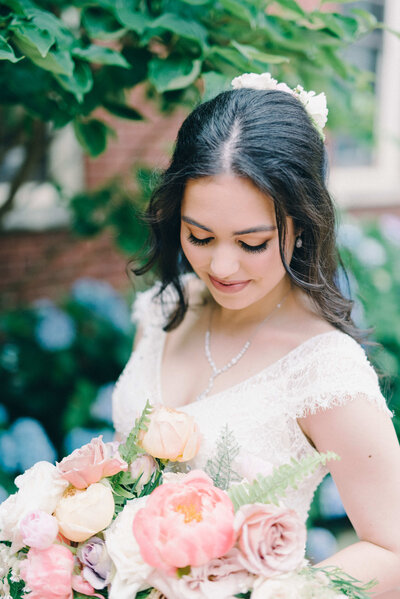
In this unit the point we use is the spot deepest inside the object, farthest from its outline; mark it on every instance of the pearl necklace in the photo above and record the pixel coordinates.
(217, 371)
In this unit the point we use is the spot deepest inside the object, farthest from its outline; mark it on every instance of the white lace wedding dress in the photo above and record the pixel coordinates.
(327, 370)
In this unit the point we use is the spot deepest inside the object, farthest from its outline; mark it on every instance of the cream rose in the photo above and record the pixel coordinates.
(131, 571)
(171, 435)
(81, 514)
(40, 488)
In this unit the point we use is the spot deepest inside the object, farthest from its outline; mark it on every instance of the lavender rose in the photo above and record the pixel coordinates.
(96, 561)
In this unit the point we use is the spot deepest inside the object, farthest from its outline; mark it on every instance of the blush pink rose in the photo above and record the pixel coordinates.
(48, 573)
(271, 539)
(38, 529)
(91, 462)
(185, 524)
(171, 435)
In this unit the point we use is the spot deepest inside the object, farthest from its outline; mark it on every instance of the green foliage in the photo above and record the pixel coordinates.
(66, 378)
(88, 53)
(16, 587)
(346, 584)
(271, 489)
(220, 467)
(130, 449)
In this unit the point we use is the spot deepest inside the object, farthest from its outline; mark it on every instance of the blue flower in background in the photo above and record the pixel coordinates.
(390, 227)
(3, 415)
(55, 330)
(349, 235)
(371, 252)
(330, 503)
(78, 436)
(103, 300)
(101, 408)
(8, 453)
(321, 543)
(32, 442)
(9, 357)
(3, 494)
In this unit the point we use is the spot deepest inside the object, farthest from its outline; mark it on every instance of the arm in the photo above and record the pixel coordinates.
(368, 479)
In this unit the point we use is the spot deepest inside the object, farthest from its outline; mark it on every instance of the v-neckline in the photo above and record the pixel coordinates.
(247, 380)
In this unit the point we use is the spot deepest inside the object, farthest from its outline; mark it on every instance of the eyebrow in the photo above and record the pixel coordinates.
(260, 228)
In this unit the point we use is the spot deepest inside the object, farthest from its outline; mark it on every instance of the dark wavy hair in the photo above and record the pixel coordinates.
(268, 138)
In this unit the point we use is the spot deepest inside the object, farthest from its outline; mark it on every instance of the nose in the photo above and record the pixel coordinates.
(224, 263)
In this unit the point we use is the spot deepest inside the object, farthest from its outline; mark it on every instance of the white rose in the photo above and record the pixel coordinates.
(40, 488)
(293, 586)
(315, 106)
(131, 571)
(254, 81)
(83, 513)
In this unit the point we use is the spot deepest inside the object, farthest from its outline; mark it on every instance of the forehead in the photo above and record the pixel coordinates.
(228, 200)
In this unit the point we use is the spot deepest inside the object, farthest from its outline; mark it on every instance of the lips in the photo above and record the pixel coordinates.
(228, 286)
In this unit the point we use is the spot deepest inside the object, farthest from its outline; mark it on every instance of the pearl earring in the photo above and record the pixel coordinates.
(299, 242)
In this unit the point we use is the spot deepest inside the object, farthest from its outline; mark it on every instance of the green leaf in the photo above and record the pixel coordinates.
(79, 83)
(271, 489)
(215, 83)
(55, 61)
(185, 28)
(196, 2)
(100, 24)
(46, 21)
(183, 571)
(7, 52)
(232, 56)
(29, 37)
(239, 10)
(252, 53)
(122, 110)
(292, 6)
(92, 135)
(131, 18)
(169, 74)
(101, 55)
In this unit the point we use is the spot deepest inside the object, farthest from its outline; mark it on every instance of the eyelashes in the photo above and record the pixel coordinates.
(252, 249)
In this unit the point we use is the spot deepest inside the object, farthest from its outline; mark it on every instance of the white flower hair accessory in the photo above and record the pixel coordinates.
(314, 104)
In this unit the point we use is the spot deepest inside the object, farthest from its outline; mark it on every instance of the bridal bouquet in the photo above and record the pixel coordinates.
(115, 521)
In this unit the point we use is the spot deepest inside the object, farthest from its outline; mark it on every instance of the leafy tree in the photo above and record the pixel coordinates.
(59, 60)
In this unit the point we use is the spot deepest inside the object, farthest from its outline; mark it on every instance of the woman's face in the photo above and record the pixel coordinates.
(230, 238)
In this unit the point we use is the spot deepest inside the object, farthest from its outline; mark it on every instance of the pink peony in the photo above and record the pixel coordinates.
(221, 578)
(38, 529)
(171, 435)
(271, 539)
(185, 524)
(91, 462)
(48, 573)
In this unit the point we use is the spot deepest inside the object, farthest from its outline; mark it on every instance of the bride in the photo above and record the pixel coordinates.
(247, 329)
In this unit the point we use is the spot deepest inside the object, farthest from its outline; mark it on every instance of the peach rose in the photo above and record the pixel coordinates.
(271, 539)
(185, 524)
(82, 514)
(48, 573)
(171, 435)
(91, 462)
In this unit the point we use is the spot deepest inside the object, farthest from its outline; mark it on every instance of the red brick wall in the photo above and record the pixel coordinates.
(35, 265)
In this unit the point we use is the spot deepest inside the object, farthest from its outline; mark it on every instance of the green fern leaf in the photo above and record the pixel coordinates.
(220, 468)
(270, 489)
(130, 449)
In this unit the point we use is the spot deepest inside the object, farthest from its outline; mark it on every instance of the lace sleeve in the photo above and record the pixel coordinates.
(335, 371)
(147, 309)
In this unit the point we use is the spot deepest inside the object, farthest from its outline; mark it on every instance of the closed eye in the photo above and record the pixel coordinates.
(197, 241)
(254, 248)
